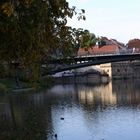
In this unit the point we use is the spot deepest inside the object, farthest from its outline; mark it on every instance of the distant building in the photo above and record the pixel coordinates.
(134, 44)
(119, 70)
(103, 47)
(116, 70)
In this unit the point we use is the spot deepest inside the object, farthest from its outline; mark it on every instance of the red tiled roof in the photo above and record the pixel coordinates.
(134, 43)
(96, 50)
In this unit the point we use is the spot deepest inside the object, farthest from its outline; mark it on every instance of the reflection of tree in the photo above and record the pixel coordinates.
(12, 112)
(34, 125)
(36, 119)
(28, 118)
(8, 121)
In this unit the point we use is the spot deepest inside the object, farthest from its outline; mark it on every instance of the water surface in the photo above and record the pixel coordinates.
(73, 112)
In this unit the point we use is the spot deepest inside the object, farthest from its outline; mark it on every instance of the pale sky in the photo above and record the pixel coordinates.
(117, 19)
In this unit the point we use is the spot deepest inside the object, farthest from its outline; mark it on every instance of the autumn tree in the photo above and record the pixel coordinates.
(34, 30)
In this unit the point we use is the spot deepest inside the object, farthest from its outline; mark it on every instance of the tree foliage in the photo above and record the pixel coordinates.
(87, 39)
(34, 30)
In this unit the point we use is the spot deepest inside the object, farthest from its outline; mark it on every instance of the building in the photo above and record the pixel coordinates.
(115, 70)
(134, 44)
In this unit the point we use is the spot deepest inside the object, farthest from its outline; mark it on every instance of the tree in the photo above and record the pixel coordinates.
(87, 39)
(33, 30)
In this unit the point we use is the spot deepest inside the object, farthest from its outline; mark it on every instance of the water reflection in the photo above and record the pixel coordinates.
(101, 95)
(127, 92)
(109, 111)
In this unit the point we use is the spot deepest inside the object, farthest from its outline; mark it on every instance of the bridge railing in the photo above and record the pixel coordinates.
(118, 52)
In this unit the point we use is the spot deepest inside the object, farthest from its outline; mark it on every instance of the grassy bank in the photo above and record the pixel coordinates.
(9, 85)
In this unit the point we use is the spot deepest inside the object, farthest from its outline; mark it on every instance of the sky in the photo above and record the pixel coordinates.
(116, 19)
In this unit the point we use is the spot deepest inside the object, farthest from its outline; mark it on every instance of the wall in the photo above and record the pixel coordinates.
(122, 70)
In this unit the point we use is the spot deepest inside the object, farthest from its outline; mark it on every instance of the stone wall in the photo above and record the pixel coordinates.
(122, 70)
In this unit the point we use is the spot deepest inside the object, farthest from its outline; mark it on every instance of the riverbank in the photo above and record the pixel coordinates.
(10, 85)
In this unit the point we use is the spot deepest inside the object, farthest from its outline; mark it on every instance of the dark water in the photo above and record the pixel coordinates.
(73, 112)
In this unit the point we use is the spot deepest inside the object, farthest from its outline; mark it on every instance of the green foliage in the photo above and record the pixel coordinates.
(3, 88)
(2, 71)
(87, 40)
(9, 84)
(35, 30)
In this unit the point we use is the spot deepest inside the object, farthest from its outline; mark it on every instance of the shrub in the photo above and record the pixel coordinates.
(2, 71)
(3, 88)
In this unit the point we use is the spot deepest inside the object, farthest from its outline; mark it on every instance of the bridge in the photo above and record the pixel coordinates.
(85, 61)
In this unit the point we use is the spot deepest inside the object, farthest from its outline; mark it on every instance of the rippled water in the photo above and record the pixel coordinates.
(73, 112)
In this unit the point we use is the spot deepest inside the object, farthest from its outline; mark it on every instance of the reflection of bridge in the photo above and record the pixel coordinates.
(84, 61)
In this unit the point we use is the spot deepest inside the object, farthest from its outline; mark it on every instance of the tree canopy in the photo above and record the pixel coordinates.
(87, 40)
(34, 30)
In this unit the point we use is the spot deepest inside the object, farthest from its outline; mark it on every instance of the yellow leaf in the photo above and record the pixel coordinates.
(7, 9)
(27, 2)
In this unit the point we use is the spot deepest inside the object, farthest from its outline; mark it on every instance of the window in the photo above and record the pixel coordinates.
(118, 70)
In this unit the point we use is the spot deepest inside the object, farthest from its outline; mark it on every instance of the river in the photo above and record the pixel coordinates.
(108, 111)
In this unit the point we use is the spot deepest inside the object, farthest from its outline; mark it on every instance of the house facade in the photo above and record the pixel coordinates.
(115, 70)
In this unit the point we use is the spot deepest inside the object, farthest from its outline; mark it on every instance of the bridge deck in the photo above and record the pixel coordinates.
(79, 62)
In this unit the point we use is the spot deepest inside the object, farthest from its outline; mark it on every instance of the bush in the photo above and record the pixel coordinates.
(2, 71)
(3, 88)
